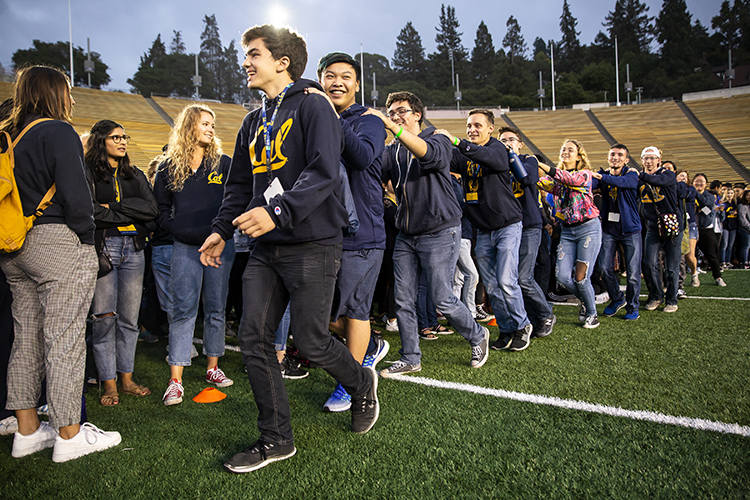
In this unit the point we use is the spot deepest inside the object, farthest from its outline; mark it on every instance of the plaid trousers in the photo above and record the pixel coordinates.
(52, 280)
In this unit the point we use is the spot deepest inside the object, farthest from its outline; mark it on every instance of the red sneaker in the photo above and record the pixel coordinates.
(216, 376)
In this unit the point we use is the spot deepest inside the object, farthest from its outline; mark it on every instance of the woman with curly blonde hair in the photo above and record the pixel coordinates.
(189, 187)
(581, 237)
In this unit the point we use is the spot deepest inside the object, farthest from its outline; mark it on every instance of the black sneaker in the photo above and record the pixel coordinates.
(366, 409)
(521, 338)
(591, 322)
(503, 342)
(480, 352)
(259, 454)
(545, 328)
(292, 369)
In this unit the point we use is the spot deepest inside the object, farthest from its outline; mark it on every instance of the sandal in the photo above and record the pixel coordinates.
(136, 390)
(441, 330)
(110, 400)
(426, 334)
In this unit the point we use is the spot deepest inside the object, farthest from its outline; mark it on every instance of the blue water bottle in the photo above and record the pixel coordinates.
(516, 167)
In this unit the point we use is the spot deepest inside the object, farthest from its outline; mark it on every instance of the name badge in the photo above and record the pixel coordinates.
(472, 198)
(706, 210)
(273, 190)
(614, 217)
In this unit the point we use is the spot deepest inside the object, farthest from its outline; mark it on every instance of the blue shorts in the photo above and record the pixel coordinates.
(693, 231)
(355, 285)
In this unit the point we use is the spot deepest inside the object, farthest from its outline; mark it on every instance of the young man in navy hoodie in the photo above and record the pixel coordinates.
(283, 189)
(494, 210)
(364, 141)
(621, 224)
(429, 223)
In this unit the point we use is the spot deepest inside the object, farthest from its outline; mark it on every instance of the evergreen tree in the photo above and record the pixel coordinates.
(156, 53)
(540, 46)
(177, 46)
(376, 64)
(211, 55)
(449, 46)
(408, 59)
(632, 26)
(162, 73)
(57, 55)
(674, 29)
(570, 46)
(514, 41)
(235, 86)
(483, 55)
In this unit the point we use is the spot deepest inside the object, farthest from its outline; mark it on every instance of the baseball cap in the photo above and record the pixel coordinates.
(651, 150)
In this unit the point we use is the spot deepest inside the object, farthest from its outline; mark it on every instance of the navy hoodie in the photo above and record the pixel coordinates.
(306, 149)
(619, 195)
(364, 141)
(485, 174)
(528, 194)
(666, 194)
(195, 205)
(423, 187)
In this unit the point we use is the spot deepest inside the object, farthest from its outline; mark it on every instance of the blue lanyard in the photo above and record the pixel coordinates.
(268, 129)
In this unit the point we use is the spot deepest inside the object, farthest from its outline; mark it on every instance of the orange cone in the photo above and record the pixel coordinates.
(492, 322)
(209, 395)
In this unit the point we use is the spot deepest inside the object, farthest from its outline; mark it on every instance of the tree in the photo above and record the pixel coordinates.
(674, 32)
(632, 26)
(376, 64)
(483, 55)
(408, 59)
(177, 46)
(540, 46)
(570, 47)
(162, 73)
(235, 87)
(211, 55)
(57, 55)
(513, 40)
(449, 47)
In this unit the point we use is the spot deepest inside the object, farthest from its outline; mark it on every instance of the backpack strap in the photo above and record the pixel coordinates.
(28, 127)
(47, 200)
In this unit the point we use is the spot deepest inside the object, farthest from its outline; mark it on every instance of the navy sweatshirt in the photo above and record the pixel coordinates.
(485, 174)
(51, 152)
(307, 144)
(619, 195)
(364, 141)
(665, 194)
(528, 194)
(424, 190)
(690, 193)
(195, 206)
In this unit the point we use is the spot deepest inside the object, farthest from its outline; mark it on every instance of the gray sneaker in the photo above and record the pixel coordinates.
(695, 281)
(481, 351)
(651, 305)
(545, 328)
(521, 338)
(720, 282)
(400, 368)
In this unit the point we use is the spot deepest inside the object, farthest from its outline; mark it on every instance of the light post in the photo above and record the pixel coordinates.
(197, 80)
(617, 73)
(552, 59)
(628, 83)
(88, 64)
(450, 54)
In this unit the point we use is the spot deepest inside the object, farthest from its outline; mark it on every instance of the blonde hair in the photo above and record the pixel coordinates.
(583, 161)
(182, 145)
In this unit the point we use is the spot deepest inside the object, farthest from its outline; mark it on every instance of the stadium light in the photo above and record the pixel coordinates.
(552, 60)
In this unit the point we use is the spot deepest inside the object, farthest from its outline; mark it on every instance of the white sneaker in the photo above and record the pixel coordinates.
(391, 325)
(8, 426)
(720, 282)
(43, 437)
(88, 440)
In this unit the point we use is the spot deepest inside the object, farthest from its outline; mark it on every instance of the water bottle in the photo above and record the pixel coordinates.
(516, 167)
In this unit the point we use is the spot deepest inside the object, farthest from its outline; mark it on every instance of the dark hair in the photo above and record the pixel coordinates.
(740, 185)
(715, 184)
(339, 57)
(281, 42)
(512, 130)
(686, 173)
(619, 145)
(96, 156)
(42, 91)
(413, 100)
(745, 197)
(486, 112)
(700, 175)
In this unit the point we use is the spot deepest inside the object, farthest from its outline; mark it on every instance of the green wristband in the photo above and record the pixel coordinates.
(456, 140)
(400, 131)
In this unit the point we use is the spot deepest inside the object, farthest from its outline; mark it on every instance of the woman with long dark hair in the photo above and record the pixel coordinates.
(123, 204)
(708, 238)
(190, 187)
(52, 276)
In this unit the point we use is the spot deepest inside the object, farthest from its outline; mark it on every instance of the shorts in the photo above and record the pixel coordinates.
(355, 285)
(693, 231)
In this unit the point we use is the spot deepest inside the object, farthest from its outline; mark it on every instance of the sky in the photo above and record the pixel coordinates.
(122, 31)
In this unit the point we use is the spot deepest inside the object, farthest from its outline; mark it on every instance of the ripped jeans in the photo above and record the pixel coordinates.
(579, 244)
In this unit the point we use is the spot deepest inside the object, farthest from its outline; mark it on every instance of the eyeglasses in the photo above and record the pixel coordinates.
(650, 158)
(510, 139)
(117, 138)
(400, 112)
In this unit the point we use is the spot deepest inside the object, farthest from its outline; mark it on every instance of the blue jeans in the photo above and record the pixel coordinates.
(497, 256)
(672, 252)
(466, 277)
(436, 254)
(744, 246)
(282, 332)
(114, 337)
(537, 307)
(426, 310)
(302, 276)
(579, 244)
(190, 281)
(727, 244)
(633, 251)
(161, 263)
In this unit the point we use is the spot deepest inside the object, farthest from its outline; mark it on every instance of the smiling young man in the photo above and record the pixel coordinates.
(284, 190)
(493, 209)
(362, 254)
(429, 223)
(621, 224)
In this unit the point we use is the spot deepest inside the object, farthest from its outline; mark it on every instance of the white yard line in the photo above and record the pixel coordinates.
(648, 416)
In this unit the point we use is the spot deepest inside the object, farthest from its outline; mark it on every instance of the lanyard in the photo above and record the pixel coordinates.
(268, 129)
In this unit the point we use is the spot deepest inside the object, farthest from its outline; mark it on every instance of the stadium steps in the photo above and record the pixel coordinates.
(529, 143)
(161, 112)
(609, 137)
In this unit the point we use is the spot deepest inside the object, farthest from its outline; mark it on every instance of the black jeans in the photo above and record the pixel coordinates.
(304, 276)
(708, 242)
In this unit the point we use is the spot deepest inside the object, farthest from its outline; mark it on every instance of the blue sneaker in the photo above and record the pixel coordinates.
(339, 401)
(632, 316)
(371, 360)
(613, 307)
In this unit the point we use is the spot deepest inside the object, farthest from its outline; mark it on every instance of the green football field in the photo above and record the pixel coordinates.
(656, 408)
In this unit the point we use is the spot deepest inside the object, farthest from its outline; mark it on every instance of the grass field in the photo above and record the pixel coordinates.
(441, 442)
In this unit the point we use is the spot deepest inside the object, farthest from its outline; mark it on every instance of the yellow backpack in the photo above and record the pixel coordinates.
(13, 224)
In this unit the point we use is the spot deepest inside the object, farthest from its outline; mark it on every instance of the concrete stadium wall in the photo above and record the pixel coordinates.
(711, 94)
